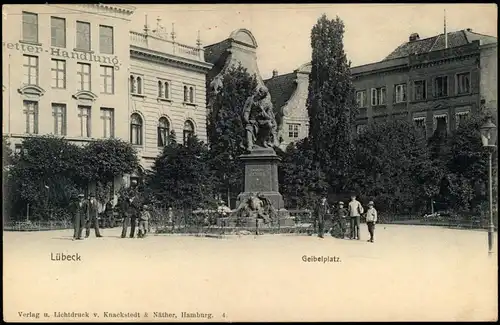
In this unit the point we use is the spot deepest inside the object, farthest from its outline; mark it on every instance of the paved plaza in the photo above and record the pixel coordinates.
(409, 273)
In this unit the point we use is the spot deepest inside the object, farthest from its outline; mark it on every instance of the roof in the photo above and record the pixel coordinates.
(281, 88)
(214, 52)
(436, 43)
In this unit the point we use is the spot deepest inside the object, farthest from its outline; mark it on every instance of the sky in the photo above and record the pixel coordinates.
(283, 31)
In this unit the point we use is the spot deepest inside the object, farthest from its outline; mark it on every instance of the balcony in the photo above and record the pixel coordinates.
(155, 43)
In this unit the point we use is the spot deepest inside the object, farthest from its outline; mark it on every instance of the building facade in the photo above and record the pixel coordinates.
(167, 92)
(65, 71)
(437, 80)
(289, 96)
(434, 81)
(69, 74)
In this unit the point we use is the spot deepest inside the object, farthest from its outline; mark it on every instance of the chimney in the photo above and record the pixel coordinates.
(275, 73)
(414, 37)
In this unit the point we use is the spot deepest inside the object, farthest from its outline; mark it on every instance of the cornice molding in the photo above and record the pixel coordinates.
(31, 90)
(153, 56)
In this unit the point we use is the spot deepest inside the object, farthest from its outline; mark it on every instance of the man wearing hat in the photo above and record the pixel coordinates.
(78, 209)
(371, 219)
(322, 211)
(92, 212)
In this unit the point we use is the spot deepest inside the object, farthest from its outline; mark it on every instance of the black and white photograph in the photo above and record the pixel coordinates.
(249, 162)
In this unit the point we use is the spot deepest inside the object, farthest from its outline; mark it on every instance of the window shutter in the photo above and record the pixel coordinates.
(374, 97)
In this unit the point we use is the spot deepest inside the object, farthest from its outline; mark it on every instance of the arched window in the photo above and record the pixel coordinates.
(167, 90)
(136, 129)
(139, 85)
(163, 132)
(185, 94)
(191, 94)
(160, 89)
(188, 131)
(132, 84)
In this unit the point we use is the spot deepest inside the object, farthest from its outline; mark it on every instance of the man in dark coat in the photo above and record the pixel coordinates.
(79, 210)
(131, 206)
(322, 211)
(92, 213)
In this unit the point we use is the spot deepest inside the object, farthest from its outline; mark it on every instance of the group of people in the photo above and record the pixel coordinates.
(131, 209)
(340, 217)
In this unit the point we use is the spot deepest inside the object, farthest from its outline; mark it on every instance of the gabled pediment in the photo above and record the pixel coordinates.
(84, 95)
(31, 90)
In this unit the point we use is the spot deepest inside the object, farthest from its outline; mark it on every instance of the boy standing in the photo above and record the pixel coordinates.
(144, 217)
(341, 215)
(371, 219)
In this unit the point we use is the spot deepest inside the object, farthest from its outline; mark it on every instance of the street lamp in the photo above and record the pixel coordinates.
(489, 139)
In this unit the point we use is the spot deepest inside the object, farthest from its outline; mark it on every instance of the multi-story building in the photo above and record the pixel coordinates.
(68, 73)
(65, 71)
(429, 81)
(167, 91)
(289, 96)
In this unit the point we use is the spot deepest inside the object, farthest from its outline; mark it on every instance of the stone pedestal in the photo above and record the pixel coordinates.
(261, 176)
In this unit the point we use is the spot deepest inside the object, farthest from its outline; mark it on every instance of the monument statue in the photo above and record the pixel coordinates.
(255, 207)
(258, 118)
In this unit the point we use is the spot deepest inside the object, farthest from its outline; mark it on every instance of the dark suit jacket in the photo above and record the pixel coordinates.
(322, 211)
(92, 209)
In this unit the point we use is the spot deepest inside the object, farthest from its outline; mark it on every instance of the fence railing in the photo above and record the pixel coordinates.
(209, 221)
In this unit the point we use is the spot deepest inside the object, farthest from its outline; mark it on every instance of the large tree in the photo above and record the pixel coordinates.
(226, 132)
(389, 167)
(331, 103)
(49, 170)
(180, 177)
(301, 179)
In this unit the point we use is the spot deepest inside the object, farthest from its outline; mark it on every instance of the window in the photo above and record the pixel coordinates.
(400, 93)
(441, 123)
(30, 27)
(58, 71)
(30, 68)
(59, 114)
(361, 98)
(108, 122)
(82, 36)
(361, 128)
(441, 87)
(136, 129)
(105, 39)
(420, 124)
(461, 117)
(378, 96)
(57, 32)
(107, 79)
(136, 85)
(188, 131)
(31, 114)
(419, 88)
(84, 115)
(186, 94)
(293, 130)
(191, 94)
(163, 132)
(83, 76)
(463, 83)
(163, 89)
